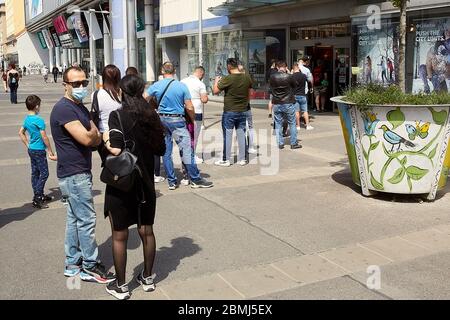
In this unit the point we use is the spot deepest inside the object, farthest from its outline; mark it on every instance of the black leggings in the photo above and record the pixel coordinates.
(157, 166)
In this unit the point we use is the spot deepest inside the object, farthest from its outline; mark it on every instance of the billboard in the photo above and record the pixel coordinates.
(63, 32)
(42, 40)
(54, 36)
(79, 28)
(432, 56)
(35, 7)
(377, 53)
(48, 38)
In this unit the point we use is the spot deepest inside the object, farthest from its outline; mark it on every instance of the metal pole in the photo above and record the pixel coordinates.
(93, 67)
(200, 32)
(132, 33)
(150, 40)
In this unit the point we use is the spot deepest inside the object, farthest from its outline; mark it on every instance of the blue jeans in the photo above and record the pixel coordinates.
(251, 129)
(231, 121)
(81, 220)
(282, 111)
(13, 92)
(39, 171)
(198, 127)
(302, 103)
(176, 129)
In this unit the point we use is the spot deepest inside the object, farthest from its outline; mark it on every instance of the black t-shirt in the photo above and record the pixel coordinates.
(300, 83)
(73, 158)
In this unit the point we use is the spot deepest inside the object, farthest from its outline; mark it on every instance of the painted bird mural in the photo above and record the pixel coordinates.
(394, 139)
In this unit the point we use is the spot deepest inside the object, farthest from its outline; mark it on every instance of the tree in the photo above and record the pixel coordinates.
(402, 5)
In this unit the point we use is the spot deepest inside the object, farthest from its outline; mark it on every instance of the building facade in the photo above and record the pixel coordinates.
(339, 35)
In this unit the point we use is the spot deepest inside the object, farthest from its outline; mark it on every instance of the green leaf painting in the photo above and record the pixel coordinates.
(375, 183)
(416, 173)
(398, 176)
(439, 117)
(396, 118)
(433, 153)
(403, 161)
(410, 184)
(374, 146)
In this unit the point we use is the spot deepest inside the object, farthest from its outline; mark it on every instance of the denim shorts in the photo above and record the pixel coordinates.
(302, 104)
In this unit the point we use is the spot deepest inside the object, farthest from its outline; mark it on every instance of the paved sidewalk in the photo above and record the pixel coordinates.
(304, 233)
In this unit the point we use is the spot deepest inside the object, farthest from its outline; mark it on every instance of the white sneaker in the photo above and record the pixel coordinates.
(159, 179)
(252, 151)
(198, 159)
(298, 128)
(309, 128)
(243, 163)
(184, 182)
(222, 163)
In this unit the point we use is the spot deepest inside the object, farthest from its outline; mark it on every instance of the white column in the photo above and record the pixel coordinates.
(58, 56)
(65, 57)
(51, 57)
(74, 55)
(150, 40)
(132, 33)
(79, 58)
(107, 44)
(200, 32)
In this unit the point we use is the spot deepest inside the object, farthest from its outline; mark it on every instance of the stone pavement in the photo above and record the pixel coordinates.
(304, 233)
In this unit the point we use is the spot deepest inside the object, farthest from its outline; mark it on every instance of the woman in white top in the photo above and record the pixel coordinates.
(108, 98)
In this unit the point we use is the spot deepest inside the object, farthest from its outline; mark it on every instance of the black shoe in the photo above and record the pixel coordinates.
(270, 116)
(46, 198)
(148, 284)
(201, 184)
(281, 147)
(97, 274)
(296, 146)
(38, 204)
(118, 292)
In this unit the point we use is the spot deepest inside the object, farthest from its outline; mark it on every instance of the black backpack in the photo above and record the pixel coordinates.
(13, 77)
(95, 110)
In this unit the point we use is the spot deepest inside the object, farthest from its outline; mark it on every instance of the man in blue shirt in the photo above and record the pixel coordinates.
(174, 101)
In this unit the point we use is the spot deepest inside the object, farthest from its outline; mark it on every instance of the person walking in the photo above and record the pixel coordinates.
(74, 135)
(237, 88)
(45, 72)
(175, 105)
(199, 97)
(24, 71)
(55, 72)
(5, 79)
(139, 125)
(283, 86)
(37, 143)
(13, 83)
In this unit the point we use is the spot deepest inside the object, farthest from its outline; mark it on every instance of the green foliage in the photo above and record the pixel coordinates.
(375, 94)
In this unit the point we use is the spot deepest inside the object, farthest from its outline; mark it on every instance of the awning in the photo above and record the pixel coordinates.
(231, 7)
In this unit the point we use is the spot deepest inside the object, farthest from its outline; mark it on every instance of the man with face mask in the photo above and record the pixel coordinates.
(74, 135)
(199, 97)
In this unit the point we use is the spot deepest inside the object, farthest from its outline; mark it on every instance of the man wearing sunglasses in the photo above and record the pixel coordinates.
(75, 134)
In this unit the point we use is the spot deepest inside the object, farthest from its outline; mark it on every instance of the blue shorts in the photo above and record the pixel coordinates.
(302, 103)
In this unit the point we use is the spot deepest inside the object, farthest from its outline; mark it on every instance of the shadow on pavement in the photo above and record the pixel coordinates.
(167, 258)
(21, 213)
(344, 177)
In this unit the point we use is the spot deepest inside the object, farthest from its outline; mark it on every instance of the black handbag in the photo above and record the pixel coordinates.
(122, 171)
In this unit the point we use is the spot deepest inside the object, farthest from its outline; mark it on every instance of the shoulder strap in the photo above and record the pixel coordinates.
(94, 105)
(121, 127)
(165, 91)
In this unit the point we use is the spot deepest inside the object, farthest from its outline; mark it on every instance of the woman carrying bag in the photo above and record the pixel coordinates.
(134, 128)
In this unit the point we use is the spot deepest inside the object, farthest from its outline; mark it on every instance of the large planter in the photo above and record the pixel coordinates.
(397, 149)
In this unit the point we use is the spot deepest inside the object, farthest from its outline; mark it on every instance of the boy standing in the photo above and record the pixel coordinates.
(37, 144)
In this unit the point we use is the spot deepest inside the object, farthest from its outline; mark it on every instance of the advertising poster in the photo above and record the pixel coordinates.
(63, 32)
(42, 40)
(54, 36)
(48, 38)
(377, 57)
(35, 8)
(79, 28)
(432, 56)
(257, 62)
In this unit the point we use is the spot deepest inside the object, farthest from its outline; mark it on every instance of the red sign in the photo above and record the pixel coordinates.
(60, 25)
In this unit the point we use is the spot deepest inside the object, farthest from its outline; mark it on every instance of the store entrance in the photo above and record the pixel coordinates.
(322, 67)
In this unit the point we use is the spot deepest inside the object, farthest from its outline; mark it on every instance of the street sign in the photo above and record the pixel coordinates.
(42, 40)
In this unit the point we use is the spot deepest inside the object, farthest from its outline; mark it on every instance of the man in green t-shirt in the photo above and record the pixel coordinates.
(237, 88)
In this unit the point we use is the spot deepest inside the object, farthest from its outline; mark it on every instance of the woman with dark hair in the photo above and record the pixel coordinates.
(13, 82)
(144, 136)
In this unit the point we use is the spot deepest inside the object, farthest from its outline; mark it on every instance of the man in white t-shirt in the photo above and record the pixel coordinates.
(199, 97)
(303, 64)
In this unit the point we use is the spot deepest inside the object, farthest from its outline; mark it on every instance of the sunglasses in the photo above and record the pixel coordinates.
(77, 84)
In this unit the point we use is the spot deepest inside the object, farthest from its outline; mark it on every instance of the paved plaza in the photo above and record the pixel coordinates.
(305, 232)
